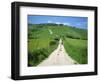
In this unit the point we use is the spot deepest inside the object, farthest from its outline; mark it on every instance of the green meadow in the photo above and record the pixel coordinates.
(43, 40)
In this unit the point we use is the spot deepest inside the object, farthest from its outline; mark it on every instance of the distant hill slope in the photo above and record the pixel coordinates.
(71, 32)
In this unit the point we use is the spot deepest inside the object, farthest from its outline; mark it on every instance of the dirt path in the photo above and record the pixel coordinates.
(50, 31)
(58, 57)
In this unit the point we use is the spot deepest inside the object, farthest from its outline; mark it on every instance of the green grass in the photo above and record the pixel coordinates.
(38, 55)
(39, 47)
(77, 49)
(41, 43)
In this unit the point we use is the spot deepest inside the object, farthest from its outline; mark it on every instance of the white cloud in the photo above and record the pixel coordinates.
(66, 23)
(49, 21)
(60, 23)
(57, 22)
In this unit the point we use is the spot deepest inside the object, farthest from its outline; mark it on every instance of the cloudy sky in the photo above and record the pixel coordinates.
(79, 22)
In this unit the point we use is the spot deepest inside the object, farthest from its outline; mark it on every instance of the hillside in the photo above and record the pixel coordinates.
(43, 40)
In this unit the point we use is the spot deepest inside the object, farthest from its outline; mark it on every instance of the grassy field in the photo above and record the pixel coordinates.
(40, 44)
(43, 40)
(77, 49)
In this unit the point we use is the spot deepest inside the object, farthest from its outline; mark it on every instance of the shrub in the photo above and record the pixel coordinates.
(53, 42)
(73, 36)
(56, 38)
(37, 56)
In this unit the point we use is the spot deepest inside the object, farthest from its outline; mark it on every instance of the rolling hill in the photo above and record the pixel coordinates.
(43, 40)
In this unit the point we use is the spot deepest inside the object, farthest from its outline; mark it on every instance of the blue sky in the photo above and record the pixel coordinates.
(80, 22)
